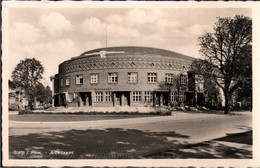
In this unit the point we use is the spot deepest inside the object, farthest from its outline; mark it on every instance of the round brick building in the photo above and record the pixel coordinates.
(126, 76)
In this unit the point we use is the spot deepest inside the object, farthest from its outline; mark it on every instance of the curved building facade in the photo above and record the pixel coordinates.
(125, 76)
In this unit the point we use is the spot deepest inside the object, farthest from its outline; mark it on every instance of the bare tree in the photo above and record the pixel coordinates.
(228, 54)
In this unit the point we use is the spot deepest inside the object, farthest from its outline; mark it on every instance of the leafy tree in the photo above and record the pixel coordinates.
(228, 54)
(48, 94)
(211, 90)
(27, 75)
(11, 84)
(43, 94)
(212, 93)
(173, 86)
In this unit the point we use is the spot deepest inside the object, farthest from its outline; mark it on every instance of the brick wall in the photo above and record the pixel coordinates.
(122, 84)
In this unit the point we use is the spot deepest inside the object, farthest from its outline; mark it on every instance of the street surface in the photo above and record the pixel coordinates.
(199, 127)
(135, 137)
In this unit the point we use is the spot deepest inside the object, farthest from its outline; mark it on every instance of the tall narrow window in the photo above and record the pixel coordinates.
(132, 77)
(79, 79)
(148, 96)
(112, 77)
(174, 96)
(94, 78)
(183, 79)
(108, 96)
(152, 77)
(61, 81)
(67, 81)
(136, 96)
(99, 96)
(169, 78)
(181, 96)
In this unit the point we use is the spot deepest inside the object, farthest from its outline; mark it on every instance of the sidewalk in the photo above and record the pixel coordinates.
(176, 116)
(13, 112)
(97, 109)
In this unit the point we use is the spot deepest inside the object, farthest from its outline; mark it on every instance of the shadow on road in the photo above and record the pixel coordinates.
(242, 138)
(117, 143)
(112, 143)
(232, 146)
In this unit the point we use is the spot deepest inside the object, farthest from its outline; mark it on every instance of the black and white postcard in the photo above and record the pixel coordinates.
(130, 83)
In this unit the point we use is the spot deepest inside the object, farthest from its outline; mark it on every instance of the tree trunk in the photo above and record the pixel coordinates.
(30, 105)
(227, 103)
(34, 102)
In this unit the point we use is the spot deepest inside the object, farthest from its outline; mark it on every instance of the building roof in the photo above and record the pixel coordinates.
(126, 57)
(134, 50)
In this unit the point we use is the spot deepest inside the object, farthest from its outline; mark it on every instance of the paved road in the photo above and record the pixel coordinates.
(197, 127)
(128, 138)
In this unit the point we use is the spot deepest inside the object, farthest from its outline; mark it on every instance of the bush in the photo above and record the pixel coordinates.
(79, 113)
(180, 108)
(187, 108)
(202, 108)
(157, 112)
(25, 112)
(124, 113)
(163, 111)
(168, 113)
(152, 113)
(193, 109)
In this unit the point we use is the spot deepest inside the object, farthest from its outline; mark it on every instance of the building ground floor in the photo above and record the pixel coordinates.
(128, 98)
(17, 100)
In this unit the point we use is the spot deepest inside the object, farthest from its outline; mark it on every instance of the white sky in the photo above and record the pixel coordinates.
(53, 35)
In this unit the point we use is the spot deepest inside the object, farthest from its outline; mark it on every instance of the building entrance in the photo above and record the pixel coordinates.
(161, 98)
(189, 98)
(63, 99)
(200, 99)
(85, 99)
(121, 98)
(56, 100)
(118, 99)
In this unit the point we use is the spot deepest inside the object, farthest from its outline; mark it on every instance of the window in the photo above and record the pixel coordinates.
(61, 81)
(136, 96)
(112, 77)
(148, 96)
(174, 96)
(94, 78)
(99, 96)
(67, 81)
(132, 77)
(183, 79)
(108, 96)
(152, 77)
(169, 78)
(181, 97)
(79, 79)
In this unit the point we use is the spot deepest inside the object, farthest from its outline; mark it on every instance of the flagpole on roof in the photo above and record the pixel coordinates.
(106, 36)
